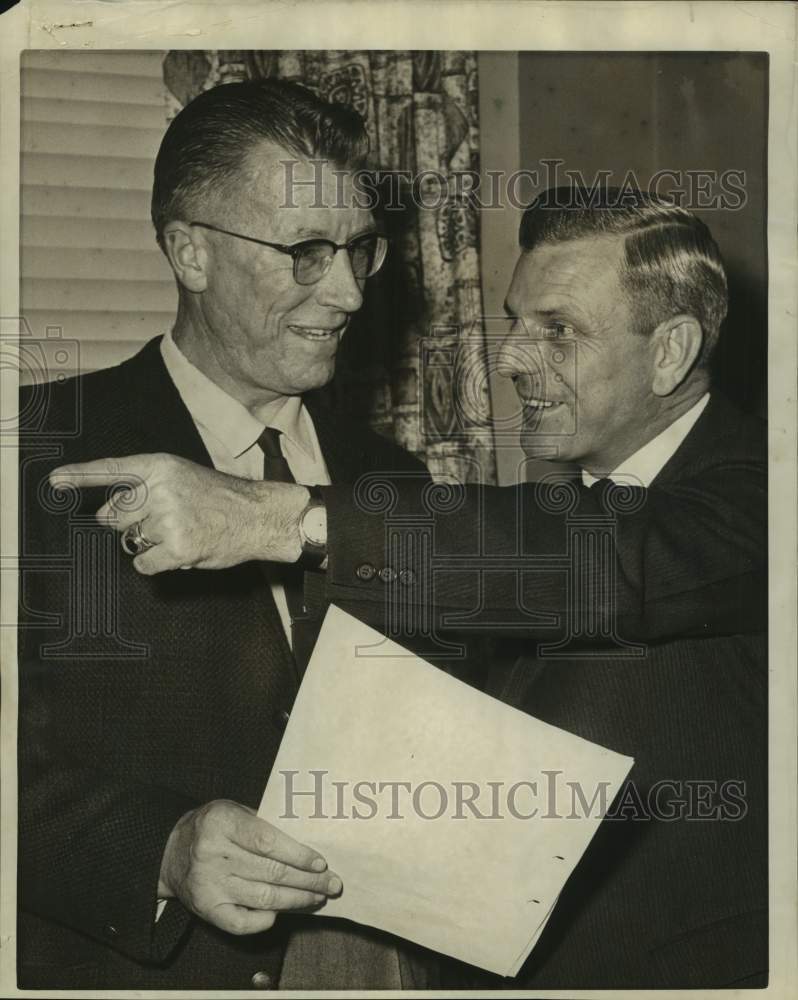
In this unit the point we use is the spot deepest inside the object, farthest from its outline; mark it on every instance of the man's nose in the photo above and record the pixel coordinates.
(505, 359)
(339, 288)
(519, 354)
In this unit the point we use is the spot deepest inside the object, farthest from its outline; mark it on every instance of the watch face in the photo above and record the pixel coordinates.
(314, 525)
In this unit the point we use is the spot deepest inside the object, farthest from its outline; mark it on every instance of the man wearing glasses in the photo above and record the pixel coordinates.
(143, 752)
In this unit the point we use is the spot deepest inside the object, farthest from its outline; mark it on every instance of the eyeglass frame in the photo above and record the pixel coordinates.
(294, 250)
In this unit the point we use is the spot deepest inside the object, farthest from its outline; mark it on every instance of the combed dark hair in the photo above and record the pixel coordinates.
(206, 143)
(672, 264)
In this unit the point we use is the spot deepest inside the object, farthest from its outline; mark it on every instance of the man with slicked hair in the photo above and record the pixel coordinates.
(151, 708)
(652, 640)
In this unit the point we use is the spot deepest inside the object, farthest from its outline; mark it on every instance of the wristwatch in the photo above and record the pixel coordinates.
(313, 531)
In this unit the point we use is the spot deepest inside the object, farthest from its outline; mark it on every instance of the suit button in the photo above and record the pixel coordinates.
(281, 718)
(111, 931)
(262, 981)
(388, 574)
(407, 577)
(366, 571)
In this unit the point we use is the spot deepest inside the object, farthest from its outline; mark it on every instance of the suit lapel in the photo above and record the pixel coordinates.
(701, 443)
(162, 415)
(340, 444)
(165, 425)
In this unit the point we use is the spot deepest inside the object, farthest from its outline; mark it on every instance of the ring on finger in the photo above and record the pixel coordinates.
(134, 541)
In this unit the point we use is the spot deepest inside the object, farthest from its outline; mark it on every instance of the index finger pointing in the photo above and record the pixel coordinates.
(100, 472)
(260, 837)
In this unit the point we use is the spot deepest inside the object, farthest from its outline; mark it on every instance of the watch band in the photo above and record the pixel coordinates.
(313, 554)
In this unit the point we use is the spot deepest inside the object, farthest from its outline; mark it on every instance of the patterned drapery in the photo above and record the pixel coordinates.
(414, 363)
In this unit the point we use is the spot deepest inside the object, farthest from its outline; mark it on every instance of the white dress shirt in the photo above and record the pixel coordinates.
(230, 433)
(641, 468)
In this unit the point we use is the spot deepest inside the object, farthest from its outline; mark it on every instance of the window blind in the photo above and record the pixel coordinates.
(91, 125)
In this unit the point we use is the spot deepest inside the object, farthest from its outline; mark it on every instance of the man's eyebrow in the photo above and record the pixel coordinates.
(306, 232)
(543, 314)
(563, 313)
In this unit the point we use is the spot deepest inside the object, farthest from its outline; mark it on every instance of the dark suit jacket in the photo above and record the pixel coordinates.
(655, 902)
(140, 698)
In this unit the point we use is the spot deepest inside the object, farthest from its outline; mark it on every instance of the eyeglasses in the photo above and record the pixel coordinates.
(313, 258)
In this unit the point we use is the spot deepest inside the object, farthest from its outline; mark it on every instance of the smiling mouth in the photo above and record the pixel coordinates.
(540, 404)
(318, 333)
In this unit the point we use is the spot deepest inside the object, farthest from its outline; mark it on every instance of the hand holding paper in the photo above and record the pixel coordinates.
(238, 872)
(449, 816)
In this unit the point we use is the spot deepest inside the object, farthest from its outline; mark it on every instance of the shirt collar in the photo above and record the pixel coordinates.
(646, 463)
(228, 420)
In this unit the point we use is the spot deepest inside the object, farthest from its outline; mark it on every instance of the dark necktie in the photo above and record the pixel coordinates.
(275, 466)
(304, 621)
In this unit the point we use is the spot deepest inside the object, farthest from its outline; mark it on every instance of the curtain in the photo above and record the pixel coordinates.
(413, 363)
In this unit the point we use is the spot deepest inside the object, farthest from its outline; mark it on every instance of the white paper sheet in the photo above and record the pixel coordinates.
(479, 888)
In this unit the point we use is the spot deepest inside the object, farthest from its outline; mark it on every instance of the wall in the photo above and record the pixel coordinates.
(499, 109)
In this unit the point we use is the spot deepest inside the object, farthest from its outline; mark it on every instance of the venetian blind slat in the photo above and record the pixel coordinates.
(80, 85)
(119, 63)
(87, 327)
(99, 295)
(54, 202)
(76, 233)
(135, 116)
(114, 265)
(73, 171)
(90, 140)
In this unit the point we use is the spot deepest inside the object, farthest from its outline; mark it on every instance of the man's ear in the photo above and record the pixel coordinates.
(677, 344)
(187, 255)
